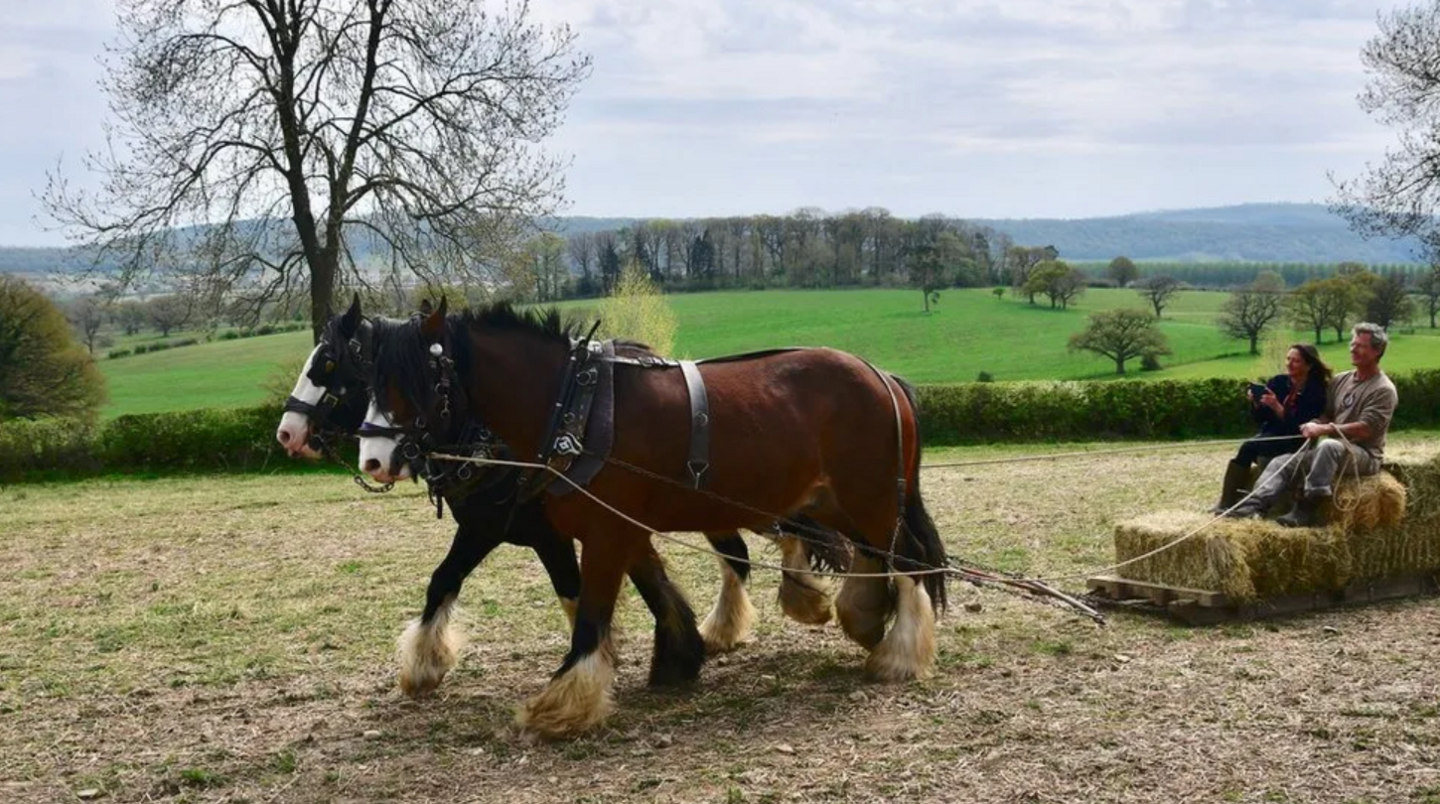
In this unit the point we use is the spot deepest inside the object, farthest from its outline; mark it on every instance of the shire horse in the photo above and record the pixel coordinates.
(810, 435)
(329, 399)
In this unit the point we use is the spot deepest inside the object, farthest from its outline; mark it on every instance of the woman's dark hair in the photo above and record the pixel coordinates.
(1311, 356)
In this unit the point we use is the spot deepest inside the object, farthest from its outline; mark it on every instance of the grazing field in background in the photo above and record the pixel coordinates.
(232, 639)
(970, 331)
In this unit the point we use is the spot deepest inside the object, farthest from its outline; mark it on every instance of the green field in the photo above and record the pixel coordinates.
(969, 332)
(218, 374)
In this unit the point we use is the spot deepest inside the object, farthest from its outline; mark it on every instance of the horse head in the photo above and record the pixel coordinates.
(417, 403)
(330, 391)
(438, 373)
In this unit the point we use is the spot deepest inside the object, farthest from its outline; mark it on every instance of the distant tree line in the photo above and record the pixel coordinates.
(1237, 274)
(807, 249)
(867, 248)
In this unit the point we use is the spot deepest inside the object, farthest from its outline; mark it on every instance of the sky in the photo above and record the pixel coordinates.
(1003, 109)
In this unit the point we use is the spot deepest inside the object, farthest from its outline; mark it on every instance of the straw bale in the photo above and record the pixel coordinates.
(1377, 528)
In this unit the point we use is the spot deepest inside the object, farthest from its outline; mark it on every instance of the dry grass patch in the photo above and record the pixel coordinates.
(232, 639)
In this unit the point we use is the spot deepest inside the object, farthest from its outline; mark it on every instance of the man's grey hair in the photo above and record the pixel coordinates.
(1378, 338)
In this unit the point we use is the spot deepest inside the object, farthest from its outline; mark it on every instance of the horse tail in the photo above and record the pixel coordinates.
(922, 543)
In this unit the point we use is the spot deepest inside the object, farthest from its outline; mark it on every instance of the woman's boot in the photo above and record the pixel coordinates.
(1237, 485)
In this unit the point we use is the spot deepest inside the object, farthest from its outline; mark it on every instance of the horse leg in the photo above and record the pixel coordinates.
(908, 651)
(679, 649)
(728, 623)
(578, 696)
(802, 598)
(429, 645)
(556, 554)
(864, 603)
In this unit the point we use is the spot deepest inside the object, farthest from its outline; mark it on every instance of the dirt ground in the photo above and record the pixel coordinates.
(232, 639)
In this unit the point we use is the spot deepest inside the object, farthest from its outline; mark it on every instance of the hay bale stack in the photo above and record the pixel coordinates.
(1379, 528)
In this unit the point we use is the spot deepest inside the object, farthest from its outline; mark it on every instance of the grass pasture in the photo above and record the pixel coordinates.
(231, 639)
(969, 332)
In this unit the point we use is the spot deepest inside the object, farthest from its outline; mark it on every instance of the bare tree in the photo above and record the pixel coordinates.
(581, 248)
(1158, 291)
(130, 316)
(276, 143)
(1323, 303)
(86, 315)
(1249, 311)
(168, 312)
(1427, 287)
(1400, 195)
(1389, 302)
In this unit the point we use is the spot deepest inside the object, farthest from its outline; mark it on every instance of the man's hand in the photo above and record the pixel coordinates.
(1314, 429)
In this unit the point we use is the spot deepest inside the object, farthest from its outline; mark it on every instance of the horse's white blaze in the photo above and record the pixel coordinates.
(728, 624)
(294, 430)
(377, 453)
(576, 701)
(908, 651)
(428, 651)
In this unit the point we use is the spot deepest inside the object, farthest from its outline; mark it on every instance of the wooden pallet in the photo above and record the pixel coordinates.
(1206, 607)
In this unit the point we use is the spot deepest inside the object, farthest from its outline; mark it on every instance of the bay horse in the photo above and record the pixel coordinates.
(816, 434)
(331, 395)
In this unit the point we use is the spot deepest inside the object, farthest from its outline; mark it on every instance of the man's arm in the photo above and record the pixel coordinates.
(1352, 431)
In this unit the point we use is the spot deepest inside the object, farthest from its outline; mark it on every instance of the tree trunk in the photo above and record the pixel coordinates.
(1254, 343)
(1120, 365)
(322, 291)
(1317, 336)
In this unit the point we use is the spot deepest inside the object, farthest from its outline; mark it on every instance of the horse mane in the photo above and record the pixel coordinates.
(503, 316)
(546, 322)
(401, 357)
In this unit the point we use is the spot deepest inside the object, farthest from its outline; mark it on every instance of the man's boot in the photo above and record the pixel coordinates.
(1237, 483)
(1306, 513)
(1253, 508)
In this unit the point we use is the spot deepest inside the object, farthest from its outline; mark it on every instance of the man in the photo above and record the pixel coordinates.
(1359, 406)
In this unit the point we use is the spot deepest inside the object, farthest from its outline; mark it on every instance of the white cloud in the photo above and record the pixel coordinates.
(999, 107)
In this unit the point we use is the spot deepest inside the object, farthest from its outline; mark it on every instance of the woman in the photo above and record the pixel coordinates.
(1288, 401)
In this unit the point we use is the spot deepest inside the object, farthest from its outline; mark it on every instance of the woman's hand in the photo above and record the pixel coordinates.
(1272, 402)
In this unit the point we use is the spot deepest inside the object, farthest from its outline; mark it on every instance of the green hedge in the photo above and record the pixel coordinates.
(243, 439)
(210, 440)
(968, 413)
(1052, 411)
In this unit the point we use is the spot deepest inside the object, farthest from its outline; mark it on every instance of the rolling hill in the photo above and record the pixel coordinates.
(1273, 233)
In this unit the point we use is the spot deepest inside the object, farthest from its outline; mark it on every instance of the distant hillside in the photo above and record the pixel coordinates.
(1274, 233)
(1303, 233)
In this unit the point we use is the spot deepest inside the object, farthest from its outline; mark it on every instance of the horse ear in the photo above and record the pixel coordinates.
(425, 308)
(433, 326)
(351, 321)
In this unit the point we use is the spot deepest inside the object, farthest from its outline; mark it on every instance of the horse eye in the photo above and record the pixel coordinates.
(329, 366)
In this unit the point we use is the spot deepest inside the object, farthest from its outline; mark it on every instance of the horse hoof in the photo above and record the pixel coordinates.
(573, 702)
(885, 669)
(419, 686)
(426, 655)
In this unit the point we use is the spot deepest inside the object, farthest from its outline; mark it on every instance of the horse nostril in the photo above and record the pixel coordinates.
(284, 436)
(372, 465)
